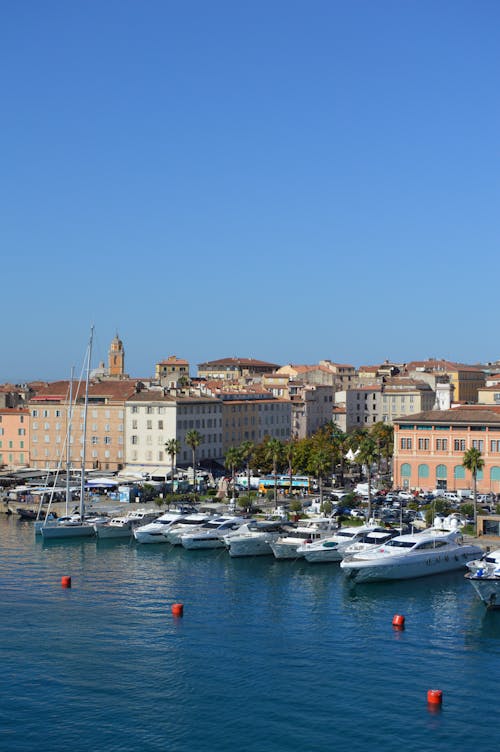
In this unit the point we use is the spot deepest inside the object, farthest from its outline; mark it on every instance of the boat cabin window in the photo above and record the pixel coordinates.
(395, 543)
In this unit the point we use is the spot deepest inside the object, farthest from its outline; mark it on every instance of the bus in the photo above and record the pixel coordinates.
(300, 484)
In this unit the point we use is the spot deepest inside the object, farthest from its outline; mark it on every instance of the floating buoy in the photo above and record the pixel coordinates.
(66, 581)
(434, 696)
(177, 609)
(398, 621)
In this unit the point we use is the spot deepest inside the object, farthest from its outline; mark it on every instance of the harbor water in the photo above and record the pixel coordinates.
(269, 655)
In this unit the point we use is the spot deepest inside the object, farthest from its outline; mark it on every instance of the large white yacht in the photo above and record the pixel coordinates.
(431, 551)
(153, 532)
(211, 534)
(286, 546)
(186, 524)
(254, 538)
(334, 547)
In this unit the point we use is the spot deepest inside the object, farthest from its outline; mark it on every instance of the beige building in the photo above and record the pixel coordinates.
(153, 417)
(50, 434)
(239, 370)
(465, 380)
(171, 371)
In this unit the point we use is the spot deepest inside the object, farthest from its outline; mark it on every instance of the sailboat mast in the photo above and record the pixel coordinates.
(68, 442)
(87, 379)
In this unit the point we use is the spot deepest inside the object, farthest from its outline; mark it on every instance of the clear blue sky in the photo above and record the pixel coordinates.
(274, 179)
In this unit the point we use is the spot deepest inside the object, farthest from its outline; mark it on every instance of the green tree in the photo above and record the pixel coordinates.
(193, 440)
(246, 453)
(173, 447)
(473, 461)
(320, 464)
(367, 456)
(274, 452)
(232, 460)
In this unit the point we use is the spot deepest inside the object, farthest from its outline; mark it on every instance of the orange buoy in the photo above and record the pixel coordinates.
(398, 621)
(434, 696)
(177, 609)
(66, 581)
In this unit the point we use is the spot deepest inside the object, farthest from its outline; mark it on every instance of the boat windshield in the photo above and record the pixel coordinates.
(395, 543)
(345, 534)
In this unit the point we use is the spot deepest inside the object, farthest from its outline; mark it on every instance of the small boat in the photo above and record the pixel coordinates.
(429, 552)
(287, 545)
(484, 576)
(26, 514)
(347, 539)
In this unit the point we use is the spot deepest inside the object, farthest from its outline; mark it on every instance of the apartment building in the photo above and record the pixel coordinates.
(239, 370)
(311, 408)
(154, 416)
(14, 438)
(465, 380)
(253, 417)
(54, 437)
(429, 448)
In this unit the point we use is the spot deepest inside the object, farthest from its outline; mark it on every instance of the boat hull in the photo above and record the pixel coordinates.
(488, 590)
(408, 567)
(53, 532)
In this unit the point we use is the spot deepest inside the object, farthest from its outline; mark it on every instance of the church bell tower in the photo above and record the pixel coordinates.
(116, 358)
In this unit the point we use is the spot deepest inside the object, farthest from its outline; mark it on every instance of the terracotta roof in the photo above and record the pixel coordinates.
(477, 414)
(242, 362)
(442, 365)
(173, 360)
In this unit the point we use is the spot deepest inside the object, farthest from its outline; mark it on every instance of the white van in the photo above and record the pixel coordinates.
(451, 496)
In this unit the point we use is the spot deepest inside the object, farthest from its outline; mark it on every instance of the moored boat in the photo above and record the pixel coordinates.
(484, 576)
(429, 552)
(287, 545)
(334, 547)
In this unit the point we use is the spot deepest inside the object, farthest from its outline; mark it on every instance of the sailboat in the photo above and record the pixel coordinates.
(76, 526)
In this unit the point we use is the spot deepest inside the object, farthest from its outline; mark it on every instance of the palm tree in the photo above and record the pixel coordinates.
(474, 462)
(290, 450)
(232, 460)
(320, 464)
(367, 455)
(173, 447)
(247, 450)
(193, 440)
(274, 452)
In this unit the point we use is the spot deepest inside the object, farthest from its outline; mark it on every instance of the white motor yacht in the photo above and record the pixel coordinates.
(122, 527)
(153, 532)
(334, 547)
(286, 546)
(186, 524)
(431, 551)
(254, 538)
(484, 576)
(211, 534)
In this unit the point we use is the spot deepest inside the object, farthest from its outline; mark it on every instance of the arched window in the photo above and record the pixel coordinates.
(441, 472)
(495, 473)
(405, 470)
(423, 471)
(459, 472)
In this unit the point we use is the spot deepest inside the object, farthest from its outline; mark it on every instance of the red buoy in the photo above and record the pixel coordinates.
(177, 609)
(66, 581)
(434, 696)
(398, 621)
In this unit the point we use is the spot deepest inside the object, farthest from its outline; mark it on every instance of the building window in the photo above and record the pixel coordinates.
(478, 444)
(423, 443)
(405, 443)
(459, 445)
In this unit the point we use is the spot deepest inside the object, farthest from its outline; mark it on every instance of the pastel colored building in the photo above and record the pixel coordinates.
(429, 449)
(14, 438)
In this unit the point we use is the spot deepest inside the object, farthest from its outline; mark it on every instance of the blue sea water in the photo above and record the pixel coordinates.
(269, 656)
